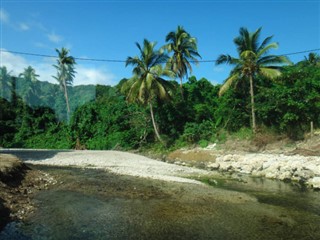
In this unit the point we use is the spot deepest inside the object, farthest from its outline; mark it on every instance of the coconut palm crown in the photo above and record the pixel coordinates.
(32, 93)
(184, 48)
(253, 60)
(147, 83)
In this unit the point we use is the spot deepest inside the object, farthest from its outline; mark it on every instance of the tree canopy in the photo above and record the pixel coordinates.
(253, 60)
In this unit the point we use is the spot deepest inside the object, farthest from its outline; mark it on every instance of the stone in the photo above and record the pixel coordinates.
(267, 164)
(315, 182)
(213, 166)
(224, 166)
(285, 175)
(303, 175)
(247, 169)
(271, 175)
(211, 146)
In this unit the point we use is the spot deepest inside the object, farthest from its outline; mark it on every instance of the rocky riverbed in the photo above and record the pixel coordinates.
(18, 184)
(277, 166)
(299, 162)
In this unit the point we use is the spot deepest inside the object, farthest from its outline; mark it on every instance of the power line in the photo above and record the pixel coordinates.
(123, 61)
(51, 56)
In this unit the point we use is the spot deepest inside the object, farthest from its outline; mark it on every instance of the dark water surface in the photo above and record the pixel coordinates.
(94, 204)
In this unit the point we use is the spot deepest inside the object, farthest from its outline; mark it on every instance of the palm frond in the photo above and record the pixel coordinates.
(269, 72)
(223, 58)
(265, 50)
(248, 55)
(273, 59)
(227, 84)
(265, 42)
(254, 40)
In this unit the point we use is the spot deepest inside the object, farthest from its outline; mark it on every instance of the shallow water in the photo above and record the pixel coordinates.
(93, 204)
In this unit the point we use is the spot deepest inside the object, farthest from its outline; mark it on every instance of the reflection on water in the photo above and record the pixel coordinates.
(93, 204)
(289, 195)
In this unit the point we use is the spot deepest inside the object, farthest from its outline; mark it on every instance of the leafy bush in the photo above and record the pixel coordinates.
(243, 134)
(194, 132)
(58, 137)
(203, 143)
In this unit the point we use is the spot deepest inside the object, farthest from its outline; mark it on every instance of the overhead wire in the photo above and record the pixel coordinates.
(123, 61)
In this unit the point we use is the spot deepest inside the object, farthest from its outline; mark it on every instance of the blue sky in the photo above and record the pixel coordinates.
(109, 30)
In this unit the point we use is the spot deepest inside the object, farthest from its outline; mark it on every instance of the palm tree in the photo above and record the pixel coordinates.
(313, 59)
(32, 92)
(65, 73)
(253, 60)
(5, 81)
(184, 48)
(147, 83)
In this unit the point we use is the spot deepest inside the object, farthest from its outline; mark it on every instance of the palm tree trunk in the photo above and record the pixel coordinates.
(181, 88)
(2, 88)
(154, 124)
(253, 114)
(67, 100)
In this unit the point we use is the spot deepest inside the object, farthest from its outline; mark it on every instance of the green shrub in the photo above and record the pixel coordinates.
(243, 134)
(203, 143)
(194, 132)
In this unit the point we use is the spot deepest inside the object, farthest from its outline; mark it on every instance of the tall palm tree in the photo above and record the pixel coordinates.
(4, 81)
(253, 60)
(65, 73)
(313, 59)
(184, 48)
(147, 83)
(32, 92)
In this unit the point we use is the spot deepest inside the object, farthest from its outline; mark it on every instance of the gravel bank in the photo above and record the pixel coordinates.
(122, 163)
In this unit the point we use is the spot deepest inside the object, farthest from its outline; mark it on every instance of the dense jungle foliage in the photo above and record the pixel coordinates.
(103, 119)
(156, 106)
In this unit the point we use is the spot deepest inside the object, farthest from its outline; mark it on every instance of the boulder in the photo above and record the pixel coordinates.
(11, 168)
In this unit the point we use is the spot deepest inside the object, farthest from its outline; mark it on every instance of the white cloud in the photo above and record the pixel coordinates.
(89, 75)
(54, 37)
(14, 63)
(4, 16)
(24, 26)
(44, 67)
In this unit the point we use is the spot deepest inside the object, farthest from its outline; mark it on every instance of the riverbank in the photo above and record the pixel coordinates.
(121, 180)
(295, 161)
(97, 204)
(18, 184)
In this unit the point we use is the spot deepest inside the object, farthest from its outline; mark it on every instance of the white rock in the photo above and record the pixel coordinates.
(211, 146)
(315, 182)
(225, 166)
(285, 175)
(213, 166)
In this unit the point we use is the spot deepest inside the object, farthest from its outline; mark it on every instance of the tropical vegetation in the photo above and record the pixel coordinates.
(253, 60)
(147, 84)
(148, 108)
(185, 51)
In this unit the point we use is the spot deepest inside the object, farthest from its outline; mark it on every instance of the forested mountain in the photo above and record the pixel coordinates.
(45, 94)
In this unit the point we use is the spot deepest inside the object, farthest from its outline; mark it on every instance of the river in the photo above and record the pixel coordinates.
(95, 204)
